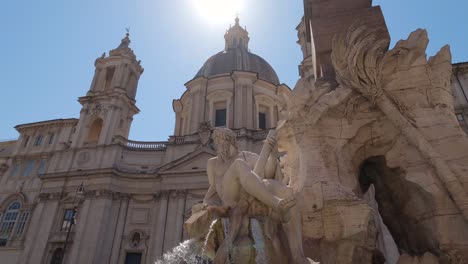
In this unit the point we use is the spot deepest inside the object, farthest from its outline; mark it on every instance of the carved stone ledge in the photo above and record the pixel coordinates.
(106, 194)
(161, 195)
(50, 196)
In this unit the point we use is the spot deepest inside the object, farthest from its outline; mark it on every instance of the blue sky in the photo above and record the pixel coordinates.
(49, 48)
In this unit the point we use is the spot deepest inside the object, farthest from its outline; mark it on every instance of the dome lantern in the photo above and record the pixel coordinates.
(236, 37)
(236, 57)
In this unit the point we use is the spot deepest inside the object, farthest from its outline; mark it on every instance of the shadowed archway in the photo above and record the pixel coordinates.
(406, 209)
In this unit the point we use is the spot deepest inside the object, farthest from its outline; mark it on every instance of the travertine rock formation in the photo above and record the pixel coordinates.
(382, 136)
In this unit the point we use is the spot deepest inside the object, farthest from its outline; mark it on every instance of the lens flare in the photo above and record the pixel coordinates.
(218, 11)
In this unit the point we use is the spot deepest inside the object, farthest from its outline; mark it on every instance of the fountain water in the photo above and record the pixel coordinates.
(259, 241)
(187, 252)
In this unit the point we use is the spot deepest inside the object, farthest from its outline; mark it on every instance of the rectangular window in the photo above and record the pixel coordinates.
(220, 118)
(15, 169)
(38, 140)
(51, 138)
(261, 120)
(28, 168)
(133, 258)
(22, 223)
(26, 141)
(41, 168)
(460, 117)
(67, 219)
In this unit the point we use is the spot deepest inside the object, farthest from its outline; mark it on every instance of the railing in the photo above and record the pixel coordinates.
(162, 145)
(179, 140)
(142, 145)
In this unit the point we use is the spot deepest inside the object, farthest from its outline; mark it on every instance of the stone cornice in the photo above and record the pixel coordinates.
(114, 195)
(47, 124)
(98, 97)
(112, 172)
(50, 196)
(106, 194)
(34, 155)
(461, 67)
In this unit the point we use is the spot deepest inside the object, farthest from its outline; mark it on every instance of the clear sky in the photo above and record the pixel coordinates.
(49, 48)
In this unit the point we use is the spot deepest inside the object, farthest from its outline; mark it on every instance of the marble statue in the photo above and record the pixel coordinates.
(245, 186)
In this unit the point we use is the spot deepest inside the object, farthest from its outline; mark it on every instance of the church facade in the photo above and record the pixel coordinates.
(80, 189)
(129, 198)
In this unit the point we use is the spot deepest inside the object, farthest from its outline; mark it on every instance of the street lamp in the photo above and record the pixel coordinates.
(79, 193)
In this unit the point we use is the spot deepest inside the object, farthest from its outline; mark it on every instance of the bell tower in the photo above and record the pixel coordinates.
(109, 106)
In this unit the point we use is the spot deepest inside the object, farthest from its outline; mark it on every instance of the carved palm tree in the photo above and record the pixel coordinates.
(361, 59)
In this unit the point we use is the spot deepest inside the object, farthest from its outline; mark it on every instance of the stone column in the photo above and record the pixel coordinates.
(228, 113)
(82, 216)
(196, 99)
(170, 224)
(95, 79)
(94, 242)
(249, 108)
(32, 232)
(161, 226)
(101, 78)
(179, 217)
(117, 78)
(237, 113)
(42, 225)
(117, 243)
(109, 123)
(153, 231)
(211, 113)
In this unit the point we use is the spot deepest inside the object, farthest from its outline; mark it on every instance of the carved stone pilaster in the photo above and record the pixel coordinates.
(181, 193)
(173, 193)
(161, 195)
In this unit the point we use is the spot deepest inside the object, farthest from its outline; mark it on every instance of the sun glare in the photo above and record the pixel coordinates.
(218, 11)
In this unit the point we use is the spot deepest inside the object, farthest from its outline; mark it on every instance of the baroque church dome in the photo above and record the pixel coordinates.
(236, 57)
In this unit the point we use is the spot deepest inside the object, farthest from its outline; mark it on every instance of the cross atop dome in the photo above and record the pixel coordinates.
(237, 37)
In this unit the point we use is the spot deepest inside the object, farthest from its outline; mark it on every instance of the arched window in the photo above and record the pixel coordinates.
(95, 131)
(12, 222)
(109, 76)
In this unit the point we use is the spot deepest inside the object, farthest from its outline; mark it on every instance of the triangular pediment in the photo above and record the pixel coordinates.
(194, 161)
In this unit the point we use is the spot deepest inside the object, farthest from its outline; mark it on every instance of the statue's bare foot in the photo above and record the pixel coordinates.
(283, 207)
